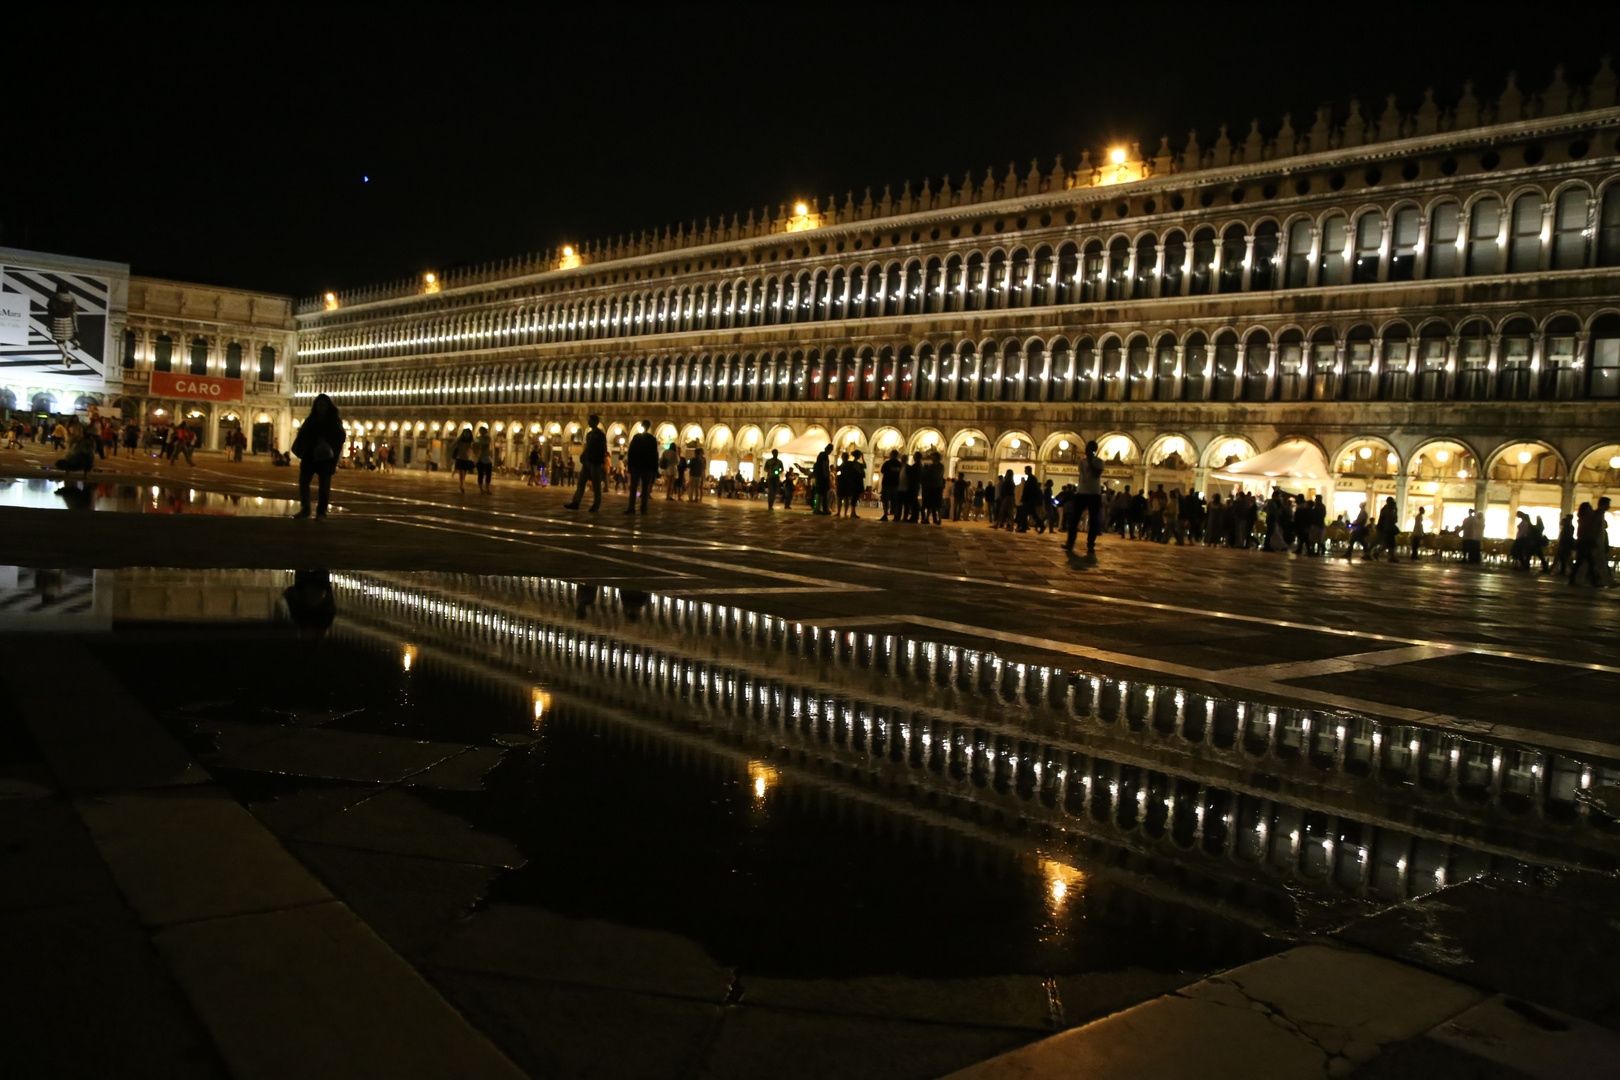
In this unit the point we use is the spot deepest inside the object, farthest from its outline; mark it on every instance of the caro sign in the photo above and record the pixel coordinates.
(195, 387)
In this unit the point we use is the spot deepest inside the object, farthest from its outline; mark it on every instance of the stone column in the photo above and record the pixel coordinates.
(1482, 495)
(1314, 267)
(1248, 260)
(1402, 482)
(1158, 269)
(1386, 244)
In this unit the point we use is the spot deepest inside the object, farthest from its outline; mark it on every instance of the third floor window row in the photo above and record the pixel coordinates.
(1489, 235)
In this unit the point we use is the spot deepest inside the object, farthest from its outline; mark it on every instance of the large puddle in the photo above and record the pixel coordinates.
(136, 499)
(805, 801)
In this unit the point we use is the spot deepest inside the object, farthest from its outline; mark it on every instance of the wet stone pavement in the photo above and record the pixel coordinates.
(744, 804)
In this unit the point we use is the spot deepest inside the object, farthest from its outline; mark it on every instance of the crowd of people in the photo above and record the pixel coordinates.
(919, 491)
(97, 438)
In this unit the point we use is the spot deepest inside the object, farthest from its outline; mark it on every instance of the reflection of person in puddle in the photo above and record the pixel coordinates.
(310, 602)
(76, 496)
(632, 601)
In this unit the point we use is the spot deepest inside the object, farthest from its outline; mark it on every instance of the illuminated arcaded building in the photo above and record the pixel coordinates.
(1431, 297)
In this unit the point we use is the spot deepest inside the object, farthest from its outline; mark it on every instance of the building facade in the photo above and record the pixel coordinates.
(232, 349)
(229, 351)
(1432, 299)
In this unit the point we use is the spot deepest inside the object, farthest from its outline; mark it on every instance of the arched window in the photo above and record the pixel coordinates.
(1445, 230)
(1068, 274)
(1234, 252)
(1369, 247)
(1298, 269)
(1513, 361)
(1263, 266)
(1609, 228)
(975, 282)
(1524, 234)
(1165, 369)
(1139, 369)
(1111, 374)
(1324, 366)
(1225, 387)
(933, 297)
(1605, 381)
(1484, 237)
(1569, 230)
(1256, 366)
(989, 373)
(955, 283)
(1085, 371)
(1018, 279)
(1403, 237)
(1194, 366)
(1040, 288)
(1560, 367)
(890, 288)
(995, 293)
(912, 302)
(267, 364)
(1147, 257)
(1473, 362)
(1358, 350)
(1335, 238)
(1091, 283)
(1292, 377)
(1396, 369)
(233, 360)
(1034, 374)
(199, 356)
(1175, 261)
(1059, 371)
(1119, 269)
(1203, 261)
(129, 348)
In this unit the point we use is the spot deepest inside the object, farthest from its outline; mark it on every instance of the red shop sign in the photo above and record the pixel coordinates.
(195, 387)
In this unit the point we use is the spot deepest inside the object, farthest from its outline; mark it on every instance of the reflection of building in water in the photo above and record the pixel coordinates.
(66, 600)
(1245, 811)
(198, 595)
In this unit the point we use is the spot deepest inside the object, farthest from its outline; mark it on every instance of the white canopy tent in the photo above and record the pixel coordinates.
(807, 445)
(1292, 465)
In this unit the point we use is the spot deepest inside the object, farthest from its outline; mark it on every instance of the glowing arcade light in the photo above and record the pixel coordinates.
(1117, 156)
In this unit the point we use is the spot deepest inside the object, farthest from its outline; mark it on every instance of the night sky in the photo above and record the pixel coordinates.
(233, 153)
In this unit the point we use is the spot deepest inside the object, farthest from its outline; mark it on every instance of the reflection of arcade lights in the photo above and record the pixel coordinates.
(762, 778)
(1061, 880)
(407, 657)
(541, 699)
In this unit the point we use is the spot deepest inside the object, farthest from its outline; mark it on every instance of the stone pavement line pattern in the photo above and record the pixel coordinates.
(1310, 1012)
(1240, 679)
(288, 982)
(1099, 598)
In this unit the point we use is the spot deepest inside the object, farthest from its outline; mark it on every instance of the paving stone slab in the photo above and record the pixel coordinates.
(46, 857)
(571, 1032)
(397, 822)
(194, 854)
(531, 943)
(791, 1045)
(1310, 1012)
(339, 755)
(1560, 952)
(463, 772)
(286, 814)
(83, 994)
(1537, 1041)
(313, 994)
(411, 903)
(1096, 994)
(1010, 1001)
(115, 745)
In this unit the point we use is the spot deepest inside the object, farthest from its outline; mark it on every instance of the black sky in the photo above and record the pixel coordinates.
(232, 153)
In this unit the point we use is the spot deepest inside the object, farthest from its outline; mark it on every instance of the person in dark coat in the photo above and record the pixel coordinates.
(319, 438)
(592, 466)
(641, 458)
